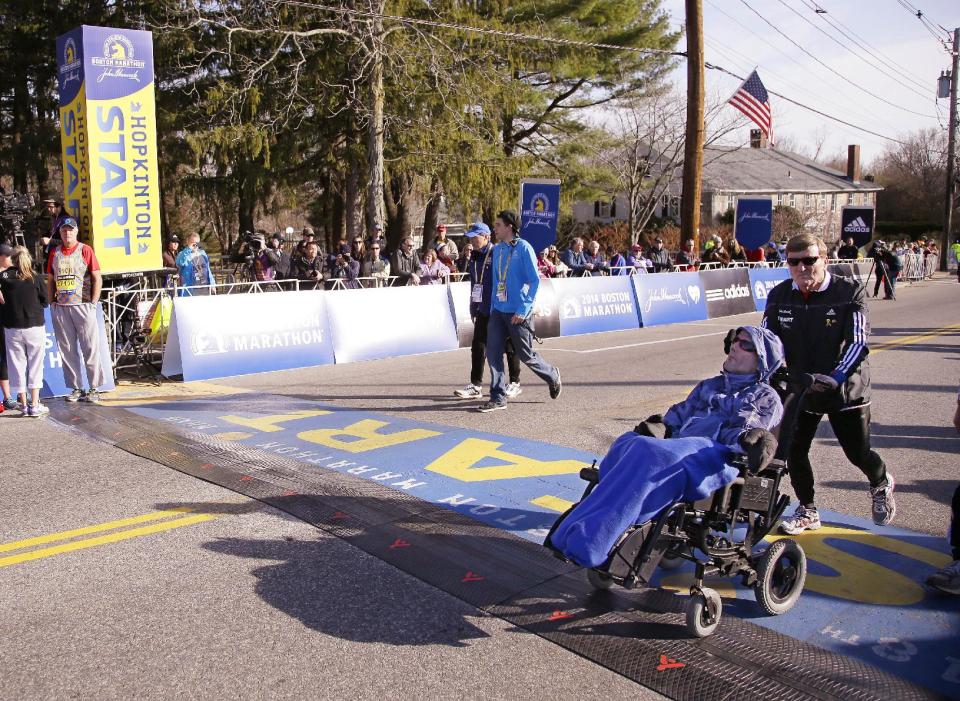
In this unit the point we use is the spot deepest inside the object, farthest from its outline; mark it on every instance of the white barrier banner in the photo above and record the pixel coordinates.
(389, 321)
(224, 335)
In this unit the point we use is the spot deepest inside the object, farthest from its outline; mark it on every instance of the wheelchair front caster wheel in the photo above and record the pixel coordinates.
(703, 612)
(598, 580)
(781, 573)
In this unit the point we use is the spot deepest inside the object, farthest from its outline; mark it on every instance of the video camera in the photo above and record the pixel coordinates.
(248, 246)
(14, 208)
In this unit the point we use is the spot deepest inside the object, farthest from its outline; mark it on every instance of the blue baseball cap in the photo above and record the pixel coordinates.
(477, 229)
(69, 221)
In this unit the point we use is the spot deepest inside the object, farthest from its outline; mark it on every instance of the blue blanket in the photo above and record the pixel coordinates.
(639, 478)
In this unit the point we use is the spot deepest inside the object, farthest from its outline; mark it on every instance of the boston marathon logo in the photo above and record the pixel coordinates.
(734, 291)
(206, 342)
(539, 213)
(118, 60)
(70, 65)
(761, 288)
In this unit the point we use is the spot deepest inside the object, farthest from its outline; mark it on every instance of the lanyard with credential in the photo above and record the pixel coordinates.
(502, 271)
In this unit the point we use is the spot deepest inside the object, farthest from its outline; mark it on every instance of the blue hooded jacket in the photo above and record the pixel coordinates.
(724, 407)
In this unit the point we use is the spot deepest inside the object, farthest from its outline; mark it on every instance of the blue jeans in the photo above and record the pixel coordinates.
(499, 329)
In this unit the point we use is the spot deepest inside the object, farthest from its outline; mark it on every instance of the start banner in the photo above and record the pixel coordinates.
(108, 135)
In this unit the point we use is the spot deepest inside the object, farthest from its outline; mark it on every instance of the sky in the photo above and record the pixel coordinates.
(738, 40)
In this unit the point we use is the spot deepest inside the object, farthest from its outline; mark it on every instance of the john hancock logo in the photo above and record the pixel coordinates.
(70, 65)
(118, 60)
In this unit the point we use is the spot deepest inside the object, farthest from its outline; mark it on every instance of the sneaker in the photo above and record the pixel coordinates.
(556, 387)
(513, 390)
(92, 396)
(12, 404)
(75, 396)
(884, 505)
(803, 519)
(491, 406)
(36, 410)
(468, 392)
(946, 580)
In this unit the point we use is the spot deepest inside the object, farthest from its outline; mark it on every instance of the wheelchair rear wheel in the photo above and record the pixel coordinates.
(598, 580)
(704, 609)
(781, 573)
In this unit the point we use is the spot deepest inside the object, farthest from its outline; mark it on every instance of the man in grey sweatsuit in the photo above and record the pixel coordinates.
(73, 277)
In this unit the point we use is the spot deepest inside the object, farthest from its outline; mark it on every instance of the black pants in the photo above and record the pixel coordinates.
(852, 429)
(478, 353)
(955, 524)
(889, 284)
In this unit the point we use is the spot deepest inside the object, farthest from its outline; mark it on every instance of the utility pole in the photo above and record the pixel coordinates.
(693, 144)
(951, 152)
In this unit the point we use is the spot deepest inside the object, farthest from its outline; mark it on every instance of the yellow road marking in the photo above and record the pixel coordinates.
(104, 539)
(907, 340)
(553, 503)
(86, 530)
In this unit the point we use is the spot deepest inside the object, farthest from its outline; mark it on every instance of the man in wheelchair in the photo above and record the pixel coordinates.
(686, 480)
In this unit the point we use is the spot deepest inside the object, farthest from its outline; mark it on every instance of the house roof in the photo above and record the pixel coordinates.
(729, 170)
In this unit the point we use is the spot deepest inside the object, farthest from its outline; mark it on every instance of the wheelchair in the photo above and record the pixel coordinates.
(710, 533)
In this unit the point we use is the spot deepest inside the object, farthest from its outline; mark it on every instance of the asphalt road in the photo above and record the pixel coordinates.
(228, 597)
(612, 380)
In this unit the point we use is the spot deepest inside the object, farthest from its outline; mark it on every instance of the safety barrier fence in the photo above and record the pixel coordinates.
(219, 331)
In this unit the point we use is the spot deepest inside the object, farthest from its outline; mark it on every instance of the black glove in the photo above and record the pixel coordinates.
(760, 447)
(653, 427)
(728, 341)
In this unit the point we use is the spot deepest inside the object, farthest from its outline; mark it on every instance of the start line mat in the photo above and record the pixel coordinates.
(465, 511)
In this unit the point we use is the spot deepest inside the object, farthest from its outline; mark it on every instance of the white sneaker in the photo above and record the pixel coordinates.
(469, 392)
(803, 519)
(513, 390)
(884, 505)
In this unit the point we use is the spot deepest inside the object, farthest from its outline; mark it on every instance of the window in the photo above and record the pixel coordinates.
(792, 200)
(823, 200)
(603, 210)
(780, 200)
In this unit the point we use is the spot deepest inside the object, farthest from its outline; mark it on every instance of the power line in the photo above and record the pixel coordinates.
(928, 25)
(482, 30)
(555, 40)
(857, 107)
(832, 70)
(864, 44)
(732, 55)
(839, 43)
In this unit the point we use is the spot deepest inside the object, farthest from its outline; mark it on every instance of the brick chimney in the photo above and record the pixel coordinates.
(757, 139)
(853, 163)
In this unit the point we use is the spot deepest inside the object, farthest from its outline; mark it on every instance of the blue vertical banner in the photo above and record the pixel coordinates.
(539, 211)
(753, 223)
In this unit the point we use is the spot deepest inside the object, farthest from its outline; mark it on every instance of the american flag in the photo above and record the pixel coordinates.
(751, 98)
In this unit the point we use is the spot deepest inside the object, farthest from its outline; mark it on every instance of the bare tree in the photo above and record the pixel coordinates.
(649, 156)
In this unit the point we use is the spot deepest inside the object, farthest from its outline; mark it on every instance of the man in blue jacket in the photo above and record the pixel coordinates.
(480, 274)
(515, 282)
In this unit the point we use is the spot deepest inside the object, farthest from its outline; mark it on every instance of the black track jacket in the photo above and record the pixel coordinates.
(826, 334)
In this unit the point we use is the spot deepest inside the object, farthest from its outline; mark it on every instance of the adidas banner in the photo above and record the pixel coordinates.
(857, 222)
(727, 292)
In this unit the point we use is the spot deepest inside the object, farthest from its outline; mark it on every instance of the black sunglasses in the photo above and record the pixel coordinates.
(806, 260)
(746, 344)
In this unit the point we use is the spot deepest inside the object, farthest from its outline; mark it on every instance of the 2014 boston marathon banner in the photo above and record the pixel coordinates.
(108, 140)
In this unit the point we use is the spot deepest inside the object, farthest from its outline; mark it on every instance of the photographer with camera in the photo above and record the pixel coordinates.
(309, 268)
(196, 278)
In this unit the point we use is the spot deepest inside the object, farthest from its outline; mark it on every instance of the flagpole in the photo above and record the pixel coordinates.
(693, 145)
